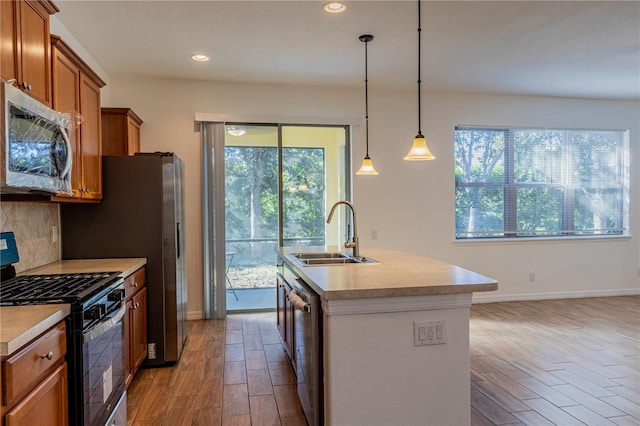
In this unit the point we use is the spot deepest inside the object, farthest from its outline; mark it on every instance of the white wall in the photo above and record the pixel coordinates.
(410, 204)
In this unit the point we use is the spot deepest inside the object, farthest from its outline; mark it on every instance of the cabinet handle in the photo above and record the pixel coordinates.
(135, 284)
(137, 305)
(48, 355)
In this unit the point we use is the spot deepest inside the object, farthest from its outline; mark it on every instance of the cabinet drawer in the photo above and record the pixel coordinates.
(22, 370)
(133, 283)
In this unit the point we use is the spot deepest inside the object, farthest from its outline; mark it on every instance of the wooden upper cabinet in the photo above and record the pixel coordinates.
(91, 138)
(66, 98)
(76, 91)
(25, 48)
(120, 131)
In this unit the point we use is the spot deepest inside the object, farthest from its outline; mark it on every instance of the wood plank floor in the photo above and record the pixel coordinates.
(562, 362)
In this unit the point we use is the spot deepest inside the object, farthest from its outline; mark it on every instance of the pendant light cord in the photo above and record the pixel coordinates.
(419, 80)
(366, 96)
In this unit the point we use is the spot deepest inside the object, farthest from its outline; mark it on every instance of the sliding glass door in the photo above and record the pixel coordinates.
(280, 181)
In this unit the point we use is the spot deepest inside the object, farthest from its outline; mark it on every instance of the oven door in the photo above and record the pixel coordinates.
(103, 367)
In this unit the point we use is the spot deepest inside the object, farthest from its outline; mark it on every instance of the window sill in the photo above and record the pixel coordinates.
(528, 240)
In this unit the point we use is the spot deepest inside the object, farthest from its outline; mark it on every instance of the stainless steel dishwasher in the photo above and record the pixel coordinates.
(308, 350)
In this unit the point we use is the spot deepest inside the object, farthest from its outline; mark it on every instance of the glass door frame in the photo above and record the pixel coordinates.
(213, 203)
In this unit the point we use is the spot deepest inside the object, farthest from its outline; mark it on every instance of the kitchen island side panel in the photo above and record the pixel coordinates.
(374, 375)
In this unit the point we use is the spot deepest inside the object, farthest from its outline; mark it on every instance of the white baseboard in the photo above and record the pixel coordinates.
(488, 298)
(195, 315)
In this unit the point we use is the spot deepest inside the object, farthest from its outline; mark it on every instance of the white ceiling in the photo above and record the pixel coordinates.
(588, 49)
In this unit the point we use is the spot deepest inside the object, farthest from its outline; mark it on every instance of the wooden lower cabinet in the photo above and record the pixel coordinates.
(34, 381)
(285, 316)
(138, 317)
(45, 405)
(135, 323)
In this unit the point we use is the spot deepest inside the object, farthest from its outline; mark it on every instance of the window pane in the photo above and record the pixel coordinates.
(598, 212)
(537, 156)
(251, 192)
(479, 212)
(540, 211)
(303, 195)
(596, 160)
(313, 164)
(479, 155)
(551, 182)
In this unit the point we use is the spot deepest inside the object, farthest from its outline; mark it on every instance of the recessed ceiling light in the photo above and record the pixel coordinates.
(200, 58)
(334, 7)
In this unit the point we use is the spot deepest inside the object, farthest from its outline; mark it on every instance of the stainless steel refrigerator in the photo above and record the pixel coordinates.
(141, 215)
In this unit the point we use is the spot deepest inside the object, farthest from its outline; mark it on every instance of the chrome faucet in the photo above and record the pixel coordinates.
(351, 242)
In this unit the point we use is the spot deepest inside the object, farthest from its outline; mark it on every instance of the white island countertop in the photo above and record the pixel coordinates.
(397, 274)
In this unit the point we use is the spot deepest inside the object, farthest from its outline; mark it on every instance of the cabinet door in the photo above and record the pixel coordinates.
(291, 327)
(91, 135)
(35, 51)
(8, 41)
(133, 133)
(46, 404)
(281, 302)
(139, 329)
(66, 99)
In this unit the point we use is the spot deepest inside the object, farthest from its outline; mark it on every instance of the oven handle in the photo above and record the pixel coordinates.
(104, 326)
(298, 302)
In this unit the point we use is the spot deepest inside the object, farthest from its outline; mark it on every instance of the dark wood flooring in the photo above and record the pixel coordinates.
(553, 362)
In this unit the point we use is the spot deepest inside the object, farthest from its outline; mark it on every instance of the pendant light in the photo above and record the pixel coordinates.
(419, 150)
(367, 165)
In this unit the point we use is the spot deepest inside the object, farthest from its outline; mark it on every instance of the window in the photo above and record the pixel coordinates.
(540, 183)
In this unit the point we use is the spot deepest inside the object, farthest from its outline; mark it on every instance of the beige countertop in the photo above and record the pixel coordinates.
(21, 324)
(125, 265)
(397, 274)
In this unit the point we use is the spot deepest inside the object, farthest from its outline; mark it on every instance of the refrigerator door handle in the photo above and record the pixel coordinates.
(178, 239)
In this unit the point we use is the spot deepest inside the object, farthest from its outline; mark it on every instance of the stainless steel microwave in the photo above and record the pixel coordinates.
(36, 153)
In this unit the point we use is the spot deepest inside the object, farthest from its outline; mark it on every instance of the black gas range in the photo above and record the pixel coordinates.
(95, 337)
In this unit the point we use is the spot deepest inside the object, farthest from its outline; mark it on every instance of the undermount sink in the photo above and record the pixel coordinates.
(329, 258)
(320, 255)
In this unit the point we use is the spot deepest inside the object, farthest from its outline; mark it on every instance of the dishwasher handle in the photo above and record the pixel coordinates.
(298, 302)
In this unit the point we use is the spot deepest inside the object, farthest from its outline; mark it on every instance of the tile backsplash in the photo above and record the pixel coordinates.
(33, 224)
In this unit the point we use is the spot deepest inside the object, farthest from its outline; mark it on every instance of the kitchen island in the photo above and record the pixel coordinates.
(395, 337)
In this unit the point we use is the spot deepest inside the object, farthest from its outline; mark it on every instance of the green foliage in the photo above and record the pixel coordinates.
(251, 204)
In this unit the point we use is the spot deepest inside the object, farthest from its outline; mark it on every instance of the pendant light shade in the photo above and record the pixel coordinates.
(419, 150)
(367, 165)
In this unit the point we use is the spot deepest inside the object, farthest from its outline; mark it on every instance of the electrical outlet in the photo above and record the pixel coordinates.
(54, 233)
(532, 277)
(374, 234)
(429, 333)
